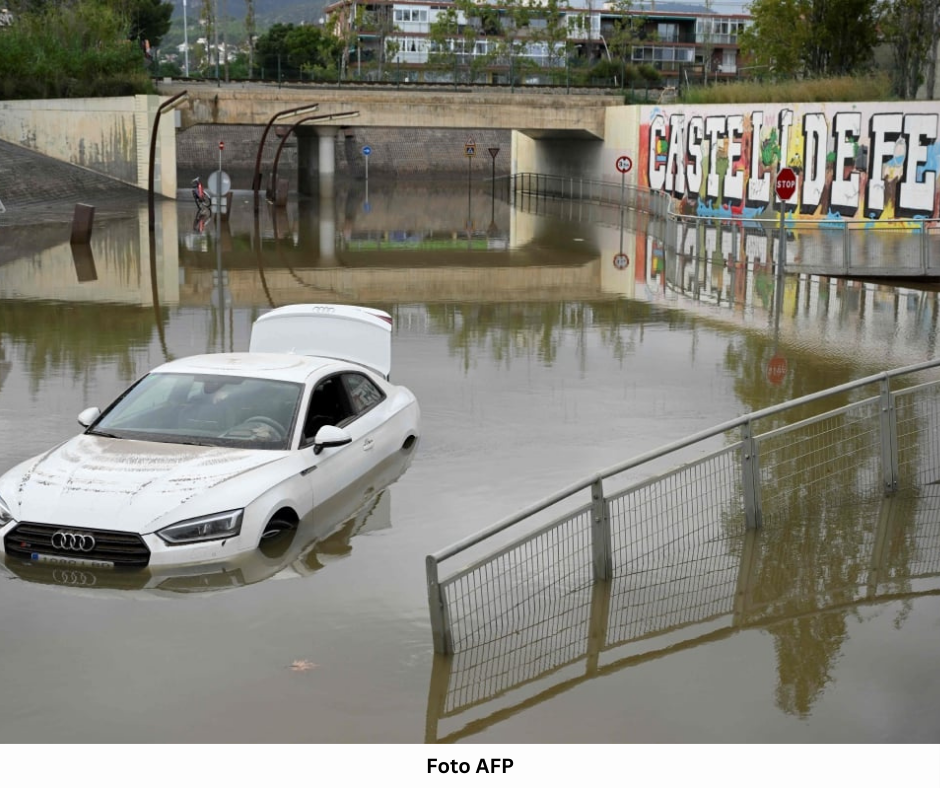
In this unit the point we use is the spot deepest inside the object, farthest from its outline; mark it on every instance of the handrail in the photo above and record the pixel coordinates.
(586, 482)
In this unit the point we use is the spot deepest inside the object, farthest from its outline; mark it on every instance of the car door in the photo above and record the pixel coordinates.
(351, 401)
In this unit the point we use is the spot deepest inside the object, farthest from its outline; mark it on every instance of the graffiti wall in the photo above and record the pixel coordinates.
(861, 161)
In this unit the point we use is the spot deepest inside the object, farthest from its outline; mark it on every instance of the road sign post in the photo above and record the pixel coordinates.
(624, 165)
(366, 151)
(785, 187)
(470, 149)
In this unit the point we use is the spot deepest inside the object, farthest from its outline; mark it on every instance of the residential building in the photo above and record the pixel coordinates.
(682, 42)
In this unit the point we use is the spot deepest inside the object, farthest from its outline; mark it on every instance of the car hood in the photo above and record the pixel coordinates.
(96, 482)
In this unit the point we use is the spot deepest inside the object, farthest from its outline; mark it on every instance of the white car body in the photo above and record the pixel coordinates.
(109, 496)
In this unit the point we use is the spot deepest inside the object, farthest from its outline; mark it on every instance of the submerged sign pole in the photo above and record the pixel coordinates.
(624, 165)
(785, 187)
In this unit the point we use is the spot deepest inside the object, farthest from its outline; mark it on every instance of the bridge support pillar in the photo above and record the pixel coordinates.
(317, 171)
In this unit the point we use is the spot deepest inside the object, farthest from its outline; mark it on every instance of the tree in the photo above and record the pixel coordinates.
(627, 31)
(149, 20)
(818, 38)
(70, 50)
(912, 52)
(555, 33)
(443, 32)
(304, 49)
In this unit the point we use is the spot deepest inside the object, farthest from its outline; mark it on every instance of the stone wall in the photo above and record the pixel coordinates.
(424, 154)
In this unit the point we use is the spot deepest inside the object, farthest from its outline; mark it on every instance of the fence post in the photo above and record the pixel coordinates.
(923, 247)
(889, 437)
(750, 478)
(443, 643)
(845, 247)
(600, 531)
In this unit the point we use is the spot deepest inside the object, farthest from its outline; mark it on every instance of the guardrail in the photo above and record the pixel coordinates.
(831, 246)
(606, 192)
(881, 553)
(874, 444)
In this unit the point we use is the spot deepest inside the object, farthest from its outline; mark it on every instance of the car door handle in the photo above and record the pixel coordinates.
(367, 444)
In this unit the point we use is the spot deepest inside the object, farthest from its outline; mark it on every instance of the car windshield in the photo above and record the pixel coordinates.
(210, 410)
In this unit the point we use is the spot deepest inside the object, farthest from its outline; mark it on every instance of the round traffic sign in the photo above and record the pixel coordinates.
(621, 261)
(221, 145)
(776, 368)
(624, 164)
(366, 150)
(786, 183)
(218, 183)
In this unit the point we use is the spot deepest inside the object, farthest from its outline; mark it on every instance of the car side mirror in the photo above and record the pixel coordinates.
(329, 437)
(88, 416)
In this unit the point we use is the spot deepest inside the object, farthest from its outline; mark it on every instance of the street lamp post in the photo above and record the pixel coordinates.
(256, 180)
(169, 103)
(185, 42)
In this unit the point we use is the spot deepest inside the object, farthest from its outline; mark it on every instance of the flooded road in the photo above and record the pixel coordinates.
(536, 360)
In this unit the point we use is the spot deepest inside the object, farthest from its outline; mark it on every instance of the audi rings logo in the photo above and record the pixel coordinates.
(67, 577)
(74, 541)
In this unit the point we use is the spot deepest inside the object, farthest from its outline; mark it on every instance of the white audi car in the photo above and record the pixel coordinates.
(205, 458)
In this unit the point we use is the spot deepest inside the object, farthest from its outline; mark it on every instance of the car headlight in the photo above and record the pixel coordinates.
(203, 529)
(6, 516)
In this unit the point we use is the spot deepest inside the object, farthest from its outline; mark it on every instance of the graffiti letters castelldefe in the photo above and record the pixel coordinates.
(865, 161)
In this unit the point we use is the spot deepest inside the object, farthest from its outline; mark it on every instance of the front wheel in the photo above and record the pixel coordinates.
(277, 537)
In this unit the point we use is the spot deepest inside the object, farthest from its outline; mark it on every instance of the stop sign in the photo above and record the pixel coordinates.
(777, 369)
(786, 183)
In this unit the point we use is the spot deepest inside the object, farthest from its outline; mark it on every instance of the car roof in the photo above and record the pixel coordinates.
(269, 366)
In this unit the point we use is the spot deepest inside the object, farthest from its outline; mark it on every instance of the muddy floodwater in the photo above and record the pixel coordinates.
(543, 343)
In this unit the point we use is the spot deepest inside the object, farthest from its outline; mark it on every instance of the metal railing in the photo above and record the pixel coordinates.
(591, 190)
(873, 442)
(883, 551)
(846, 247)
(827, 247)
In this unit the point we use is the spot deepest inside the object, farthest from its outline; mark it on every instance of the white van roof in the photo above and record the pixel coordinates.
(358, 334)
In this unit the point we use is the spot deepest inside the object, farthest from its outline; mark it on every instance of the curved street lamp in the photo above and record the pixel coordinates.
(256, 180)
(168, 104)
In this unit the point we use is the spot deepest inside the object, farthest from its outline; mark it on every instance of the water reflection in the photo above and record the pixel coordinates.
(876, 552)
(322, 537)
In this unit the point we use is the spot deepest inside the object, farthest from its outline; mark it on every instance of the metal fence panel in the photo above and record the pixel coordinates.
(672, 564)
(498, 595)
(838, 454)
(918, 415)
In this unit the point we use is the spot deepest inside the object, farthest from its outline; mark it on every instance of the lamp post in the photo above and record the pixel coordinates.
(216, 35)
(185, 42)
(335, 116)
(256, 180)
(168, 104)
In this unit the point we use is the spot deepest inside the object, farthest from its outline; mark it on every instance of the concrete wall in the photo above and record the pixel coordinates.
(110, 136)
(872, 160)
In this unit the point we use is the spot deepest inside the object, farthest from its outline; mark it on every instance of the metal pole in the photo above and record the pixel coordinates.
(600, 532)
(153, 152)
(216, 36)
(469, 211)
(442, 638)
(889, 438)
(750, 478)
(185, 42)
(623, 186)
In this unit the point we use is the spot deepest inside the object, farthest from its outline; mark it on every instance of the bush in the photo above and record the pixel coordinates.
(874, 87)
(71, 51)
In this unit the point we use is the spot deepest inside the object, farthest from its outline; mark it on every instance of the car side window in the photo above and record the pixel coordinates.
(329, 404)
(363, 393)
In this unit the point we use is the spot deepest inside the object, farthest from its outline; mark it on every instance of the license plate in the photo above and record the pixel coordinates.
(61, 560)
